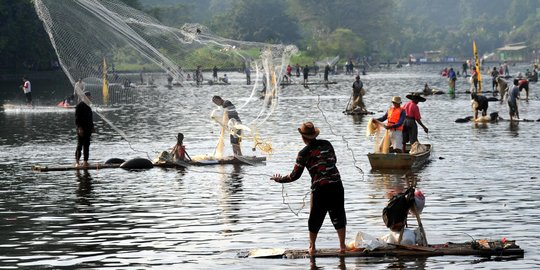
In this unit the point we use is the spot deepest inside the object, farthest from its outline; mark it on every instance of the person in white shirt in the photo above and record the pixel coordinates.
(27, 89)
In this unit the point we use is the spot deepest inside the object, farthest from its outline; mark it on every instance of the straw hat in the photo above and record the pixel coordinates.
(308, 130)
(396, 99)
(416, 96)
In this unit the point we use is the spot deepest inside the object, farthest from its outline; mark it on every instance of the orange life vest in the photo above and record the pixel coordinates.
(393, 117)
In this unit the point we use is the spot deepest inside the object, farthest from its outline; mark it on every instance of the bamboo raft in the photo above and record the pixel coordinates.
(481, 248)
(357, 112)
(226, 160)
(98, 166)
(95, 166)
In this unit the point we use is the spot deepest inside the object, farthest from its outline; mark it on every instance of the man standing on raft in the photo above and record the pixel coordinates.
(327, 194)
(231, 114)
(85, 127)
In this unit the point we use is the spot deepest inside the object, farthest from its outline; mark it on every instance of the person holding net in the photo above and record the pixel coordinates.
(231, 114)
(327, 194)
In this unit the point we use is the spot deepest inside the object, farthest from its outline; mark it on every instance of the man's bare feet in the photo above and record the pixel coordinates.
(312, 250)
(85, 164)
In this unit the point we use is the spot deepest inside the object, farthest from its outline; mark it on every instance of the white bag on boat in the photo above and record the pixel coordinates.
(364, 240)
(409, 237)
(417, 148)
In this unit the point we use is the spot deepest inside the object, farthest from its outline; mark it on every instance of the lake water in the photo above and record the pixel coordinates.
(482, 181)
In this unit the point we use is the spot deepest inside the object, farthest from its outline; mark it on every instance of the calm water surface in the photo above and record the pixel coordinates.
(482, 180)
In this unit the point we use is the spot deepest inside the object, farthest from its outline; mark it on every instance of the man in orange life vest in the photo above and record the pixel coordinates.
(395, 116)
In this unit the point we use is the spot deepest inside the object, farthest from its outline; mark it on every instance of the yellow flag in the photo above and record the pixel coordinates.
(477, 66)
(105, 88)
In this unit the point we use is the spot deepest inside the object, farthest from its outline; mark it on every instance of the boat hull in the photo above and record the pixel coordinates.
(398, 161)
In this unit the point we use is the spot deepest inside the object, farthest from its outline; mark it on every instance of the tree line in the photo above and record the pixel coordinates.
(382, 29)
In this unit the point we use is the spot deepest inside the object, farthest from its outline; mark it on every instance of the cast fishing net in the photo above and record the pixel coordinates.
(95, 39)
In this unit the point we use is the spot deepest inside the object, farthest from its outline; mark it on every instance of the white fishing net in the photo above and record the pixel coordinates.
(87, 33)
(95, 39)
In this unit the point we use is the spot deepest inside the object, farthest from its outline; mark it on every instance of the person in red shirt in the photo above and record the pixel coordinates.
(524, 84)
(327, 194)
(179, 150)
(410, 129)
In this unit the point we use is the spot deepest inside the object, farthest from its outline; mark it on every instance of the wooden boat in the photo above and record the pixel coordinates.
(482, 248)
(399, 161)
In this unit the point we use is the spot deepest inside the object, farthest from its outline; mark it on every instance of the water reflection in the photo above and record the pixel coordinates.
(313, 264)
(84, 188)
(403, 263)
(231, 193)
(480, 126)
(357, 118)
(514, 129)
(391, 184)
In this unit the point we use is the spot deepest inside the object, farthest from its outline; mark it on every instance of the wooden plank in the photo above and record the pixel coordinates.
(229, 160)
(355, 112)
(95, 166)
(454, 249)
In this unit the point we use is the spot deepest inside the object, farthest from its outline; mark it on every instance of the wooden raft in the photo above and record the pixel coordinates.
(226, 160)
(509, 249)
(95, 166)
(357, 112)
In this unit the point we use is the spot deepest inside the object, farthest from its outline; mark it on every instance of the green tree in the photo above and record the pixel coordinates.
(263, 21)
(341, 42)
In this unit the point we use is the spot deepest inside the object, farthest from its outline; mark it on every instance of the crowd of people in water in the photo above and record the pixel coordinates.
(500, 87)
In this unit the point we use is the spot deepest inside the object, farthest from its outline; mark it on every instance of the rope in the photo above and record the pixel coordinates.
(355, 161)
(284, 194)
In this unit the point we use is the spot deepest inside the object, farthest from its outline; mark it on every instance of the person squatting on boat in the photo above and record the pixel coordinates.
(85, 126)
(231, 114)
(327, 194)
(412, 112)
(395, 117)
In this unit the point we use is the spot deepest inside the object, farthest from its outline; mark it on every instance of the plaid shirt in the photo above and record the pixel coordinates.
(320, 160)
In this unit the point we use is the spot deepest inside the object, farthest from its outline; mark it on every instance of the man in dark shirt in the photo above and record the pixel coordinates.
(306, 74)
(327, 194)
(85, 127)
(357, 96)
(326, 72)
(231, 114)
(480, 103)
